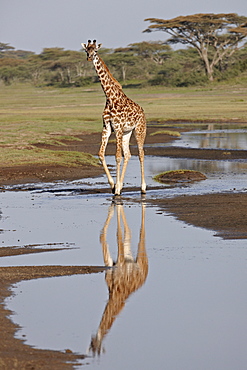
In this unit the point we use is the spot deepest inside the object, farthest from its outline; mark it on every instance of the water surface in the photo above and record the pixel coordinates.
(212, 138)
(182, 307)
(190, 311)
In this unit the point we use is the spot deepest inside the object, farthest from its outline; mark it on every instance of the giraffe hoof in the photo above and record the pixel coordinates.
(143, 190)
(118, 193)
(118, 189)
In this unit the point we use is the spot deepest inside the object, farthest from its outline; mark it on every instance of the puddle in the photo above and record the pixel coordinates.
(214, 139)
(187, 311)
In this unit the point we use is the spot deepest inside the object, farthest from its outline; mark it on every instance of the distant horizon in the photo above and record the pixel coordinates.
(111, 48)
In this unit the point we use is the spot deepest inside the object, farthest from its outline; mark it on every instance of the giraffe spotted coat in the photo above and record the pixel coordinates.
(121, 116)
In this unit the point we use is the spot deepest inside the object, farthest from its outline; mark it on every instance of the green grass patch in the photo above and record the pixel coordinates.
(23, 156)
(179, 176)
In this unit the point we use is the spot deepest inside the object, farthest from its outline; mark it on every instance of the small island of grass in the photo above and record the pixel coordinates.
(180, 176)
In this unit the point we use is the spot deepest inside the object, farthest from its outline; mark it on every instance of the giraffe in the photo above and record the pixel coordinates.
(126, 275)
(122, 116)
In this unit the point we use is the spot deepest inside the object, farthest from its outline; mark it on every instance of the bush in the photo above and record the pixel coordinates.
(82, 81)
(178, 79)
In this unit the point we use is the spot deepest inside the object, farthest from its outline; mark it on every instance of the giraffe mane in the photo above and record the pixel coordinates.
(110, 74)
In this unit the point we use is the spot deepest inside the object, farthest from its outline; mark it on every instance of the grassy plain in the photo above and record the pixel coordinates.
(30, 115)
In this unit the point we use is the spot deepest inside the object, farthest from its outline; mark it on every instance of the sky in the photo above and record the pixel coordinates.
(36, 24)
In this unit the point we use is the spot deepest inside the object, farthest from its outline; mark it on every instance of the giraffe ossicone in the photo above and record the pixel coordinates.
(122, 116)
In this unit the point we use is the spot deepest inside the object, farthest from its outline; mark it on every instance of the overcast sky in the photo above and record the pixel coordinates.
(36, 24)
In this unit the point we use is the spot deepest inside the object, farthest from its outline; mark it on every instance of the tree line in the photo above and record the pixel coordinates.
(215, 51)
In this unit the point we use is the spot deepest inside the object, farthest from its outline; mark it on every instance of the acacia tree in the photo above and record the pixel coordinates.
(121, 60)
(215, 36)
(4, 47)
(156, 51)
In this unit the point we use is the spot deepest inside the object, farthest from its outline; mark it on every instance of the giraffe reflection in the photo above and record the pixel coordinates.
(126, 275)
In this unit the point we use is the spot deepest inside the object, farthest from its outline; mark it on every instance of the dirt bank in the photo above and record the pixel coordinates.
(225, 213)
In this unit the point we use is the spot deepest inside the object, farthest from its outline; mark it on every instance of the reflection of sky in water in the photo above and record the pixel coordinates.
(213, 139)
(191, 311)
(193, 303)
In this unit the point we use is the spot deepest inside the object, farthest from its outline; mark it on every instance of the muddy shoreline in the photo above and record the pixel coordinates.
(225, 213)
(89, 143)
(14, 354)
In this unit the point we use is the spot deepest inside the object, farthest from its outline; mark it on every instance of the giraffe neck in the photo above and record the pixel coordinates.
(109, 84)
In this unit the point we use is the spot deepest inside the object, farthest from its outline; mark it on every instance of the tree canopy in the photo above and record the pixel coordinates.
(137, 64)
(4, 47)
(215, 36)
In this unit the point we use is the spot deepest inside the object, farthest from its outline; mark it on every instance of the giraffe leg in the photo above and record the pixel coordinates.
(120, 255)
(140, 138)
(127, 238)
(106, 253)
(142, 258)
(104, 140)
(126, 153)
(118, 186)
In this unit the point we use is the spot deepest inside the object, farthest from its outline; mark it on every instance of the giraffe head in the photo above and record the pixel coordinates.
(91, 49)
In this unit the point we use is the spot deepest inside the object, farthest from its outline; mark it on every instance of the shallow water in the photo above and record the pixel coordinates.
(225, 175)
(214, 139)
(187, 312)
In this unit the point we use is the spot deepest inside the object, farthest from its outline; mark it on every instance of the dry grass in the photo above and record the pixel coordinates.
(29, 115)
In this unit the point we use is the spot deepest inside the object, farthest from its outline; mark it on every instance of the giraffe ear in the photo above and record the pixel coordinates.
(99, 46)
(84, 46)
